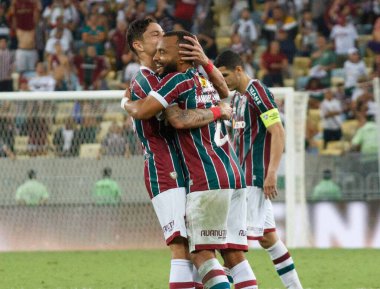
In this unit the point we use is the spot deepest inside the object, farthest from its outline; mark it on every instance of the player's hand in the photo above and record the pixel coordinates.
(270, 186)
(193, 52)
(226, 110)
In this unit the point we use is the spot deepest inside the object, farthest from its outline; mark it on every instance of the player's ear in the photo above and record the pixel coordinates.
(239, 69)
(137, 45)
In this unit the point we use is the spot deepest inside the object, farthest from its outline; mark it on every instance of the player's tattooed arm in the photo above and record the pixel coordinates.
(193, 118)
(195, 53)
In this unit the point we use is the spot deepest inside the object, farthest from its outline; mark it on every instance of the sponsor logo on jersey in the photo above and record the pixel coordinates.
(221, 234)
(239, 124)
(168, 227)
(173, 175)
(243, 233)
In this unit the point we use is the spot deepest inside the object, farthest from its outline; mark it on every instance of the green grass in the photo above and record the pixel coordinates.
(149, 269)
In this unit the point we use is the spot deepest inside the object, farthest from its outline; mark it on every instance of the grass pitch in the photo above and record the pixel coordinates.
(149, 269)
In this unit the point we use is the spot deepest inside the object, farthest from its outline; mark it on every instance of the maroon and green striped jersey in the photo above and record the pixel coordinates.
(206, 166)
(162, 169)
(251, 139)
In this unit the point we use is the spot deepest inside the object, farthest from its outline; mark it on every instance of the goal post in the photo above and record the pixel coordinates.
(296, 212)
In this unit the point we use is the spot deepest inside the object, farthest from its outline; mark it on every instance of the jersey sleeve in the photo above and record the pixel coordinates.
(262, 100)
(142, 84)
(171, 87)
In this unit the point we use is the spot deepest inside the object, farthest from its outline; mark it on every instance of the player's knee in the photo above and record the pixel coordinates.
(232, 257)
(268, 240)
(179, 248)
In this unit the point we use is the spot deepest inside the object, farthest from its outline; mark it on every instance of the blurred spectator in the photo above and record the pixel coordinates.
(374, 44)
(344, 35)
(308, 33)
(88, 129)
(57, 38)
(287, 45)
(61, 9)
(94, 34)
(237, 44)
(7, 130)
(366, 141)
(41, 81)
(331, 116)
(91, 69)
(206, 35)
(32, 192)
(58, 65)
(114, 144)
(129, 135)
(118, 41)
(4, 25)
(246, 28)
(327, 189)
(274, 64)
(323, 60)
(184, 12)
(129, 72)
(25, 16)
(66, 139)
(106, 191)
(316, 92)
(354, 68)
(163, 15)
(6, 66)
(66, 33)
(338, 10)
(279, 20)
(37, 129)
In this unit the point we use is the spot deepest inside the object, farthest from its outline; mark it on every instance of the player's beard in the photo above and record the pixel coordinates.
(169, 68)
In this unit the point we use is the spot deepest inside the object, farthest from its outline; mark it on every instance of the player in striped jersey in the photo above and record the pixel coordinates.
(259, 143)
(216, 205)
(163, 175)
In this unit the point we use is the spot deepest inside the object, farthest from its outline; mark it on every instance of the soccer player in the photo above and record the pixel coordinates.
(163, 174)
(259, 143)
(216, 204)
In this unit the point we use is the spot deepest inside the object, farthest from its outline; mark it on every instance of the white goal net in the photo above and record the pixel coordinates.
(68, 139)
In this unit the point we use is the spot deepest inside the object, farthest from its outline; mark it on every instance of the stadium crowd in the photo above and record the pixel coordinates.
(330, 48)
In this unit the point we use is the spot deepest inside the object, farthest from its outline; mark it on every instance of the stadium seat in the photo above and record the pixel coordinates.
(331, 152)
(349, 127)
(21, 144)
(342, 145)
(113, 116)
(104, 126)
(301, 65)
(90, 150)
(336, 80)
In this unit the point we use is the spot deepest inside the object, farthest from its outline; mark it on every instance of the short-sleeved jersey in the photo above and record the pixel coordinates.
(162, 169)
(206, 166)
(251, 139)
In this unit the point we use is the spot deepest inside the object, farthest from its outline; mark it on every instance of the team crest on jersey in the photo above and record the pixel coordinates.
(173, 175)
(203, 81)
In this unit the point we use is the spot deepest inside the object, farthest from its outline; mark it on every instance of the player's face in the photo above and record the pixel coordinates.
(167, 55)
(231, 77)
(151, 37)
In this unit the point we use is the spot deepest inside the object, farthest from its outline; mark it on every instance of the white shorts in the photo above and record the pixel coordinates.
(260, 217)
(216, 219)
(170, 208)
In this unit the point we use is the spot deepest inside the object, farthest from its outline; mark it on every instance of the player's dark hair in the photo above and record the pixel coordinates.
(181, 38)
(228, 59)
(107, 172)
(32, 174)
(136, 30)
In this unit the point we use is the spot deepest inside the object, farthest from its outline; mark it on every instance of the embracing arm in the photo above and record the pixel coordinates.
(193, 118)
(195, 53)
(142, 108)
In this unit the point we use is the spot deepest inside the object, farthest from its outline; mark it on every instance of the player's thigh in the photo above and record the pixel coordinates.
(207, 218)
(170, 208)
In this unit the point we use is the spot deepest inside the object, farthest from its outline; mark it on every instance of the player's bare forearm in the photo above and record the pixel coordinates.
(277, 146)
(219, 83)
(193, 118)
(188, 118)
